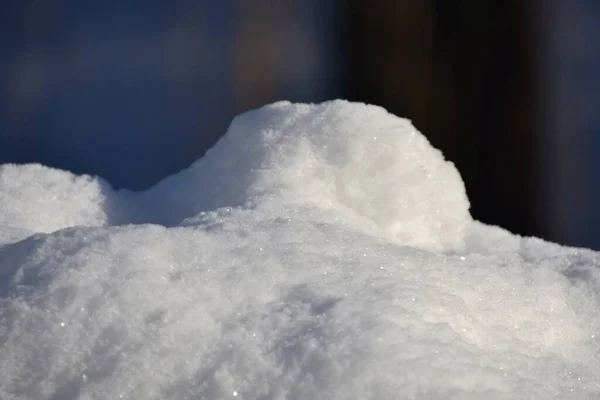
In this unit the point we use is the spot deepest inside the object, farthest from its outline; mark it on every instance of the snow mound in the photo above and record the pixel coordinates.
(373, 168)
(42, 199)
(316, 252)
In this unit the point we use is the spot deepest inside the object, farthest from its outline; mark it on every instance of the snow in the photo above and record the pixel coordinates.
(316, 252)
(41, 199)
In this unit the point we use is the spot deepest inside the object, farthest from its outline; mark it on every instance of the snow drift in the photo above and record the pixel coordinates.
(317, 251)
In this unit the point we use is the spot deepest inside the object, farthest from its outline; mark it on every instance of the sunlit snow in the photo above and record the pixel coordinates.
(316, 252)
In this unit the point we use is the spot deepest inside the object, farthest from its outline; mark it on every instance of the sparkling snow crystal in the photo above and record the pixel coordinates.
(316, 252)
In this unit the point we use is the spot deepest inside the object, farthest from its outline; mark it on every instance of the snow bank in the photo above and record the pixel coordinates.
(318, 251)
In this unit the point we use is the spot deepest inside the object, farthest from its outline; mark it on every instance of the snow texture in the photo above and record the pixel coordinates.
(316, 252)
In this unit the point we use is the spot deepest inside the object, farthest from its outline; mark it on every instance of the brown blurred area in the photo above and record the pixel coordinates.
(137, 90)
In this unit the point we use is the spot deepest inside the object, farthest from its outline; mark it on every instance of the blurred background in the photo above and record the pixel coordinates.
(135, 90)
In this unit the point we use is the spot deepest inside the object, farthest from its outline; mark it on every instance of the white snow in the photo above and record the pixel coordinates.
(316, 252)
(41, 199)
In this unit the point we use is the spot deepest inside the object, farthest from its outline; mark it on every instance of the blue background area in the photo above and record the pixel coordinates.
(110, 95)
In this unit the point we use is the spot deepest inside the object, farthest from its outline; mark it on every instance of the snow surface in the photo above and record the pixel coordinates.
(316, 252)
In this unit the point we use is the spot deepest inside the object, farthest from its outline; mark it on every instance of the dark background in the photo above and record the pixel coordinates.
(135, 90)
